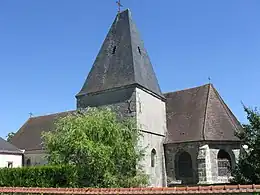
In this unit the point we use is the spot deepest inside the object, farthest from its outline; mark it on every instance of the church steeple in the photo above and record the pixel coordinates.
(122, 61)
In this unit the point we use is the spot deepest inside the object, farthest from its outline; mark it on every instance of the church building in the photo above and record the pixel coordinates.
(189, 134)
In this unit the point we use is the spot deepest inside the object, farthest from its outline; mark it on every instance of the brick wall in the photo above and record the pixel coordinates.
(223, 189)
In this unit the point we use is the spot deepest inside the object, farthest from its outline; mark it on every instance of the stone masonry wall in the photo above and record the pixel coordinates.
(204, 161)
(233, 149)
(170, 151)
(204, 165)
(37, 157)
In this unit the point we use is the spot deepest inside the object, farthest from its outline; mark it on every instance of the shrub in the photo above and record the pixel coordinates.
(42, 176)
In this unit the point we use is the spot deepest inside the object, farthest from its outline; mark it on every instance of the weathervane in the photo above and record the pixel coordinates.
(119, 5)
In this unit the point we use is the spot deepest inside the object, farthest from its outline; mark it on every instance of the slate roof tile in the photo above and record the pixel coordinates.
(122, 60)
(6, 147)
(29, 135)
(198, 114)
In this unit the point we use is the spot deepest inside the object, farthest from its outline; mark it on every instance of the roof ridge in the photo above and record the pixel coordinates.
(205, 114)
(50, 114)
(130, 35)
(21, 129)
(200, 86)
(225, 107)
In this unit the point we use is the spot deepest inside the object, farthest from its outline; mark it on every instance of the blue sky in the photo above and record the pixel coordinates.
(48, 47)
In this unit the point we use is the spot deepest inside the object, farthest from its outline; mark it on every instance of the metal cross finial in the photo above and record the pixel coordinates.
(119, 5)
(209, 80)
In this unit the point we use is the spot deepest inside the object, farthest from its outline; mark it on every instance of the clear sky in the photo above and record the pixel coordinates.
(47, 48)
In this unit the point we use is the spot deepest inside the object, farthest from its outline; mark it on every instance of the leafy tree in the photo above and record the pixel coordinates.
(101, 145)
(247, 170)
(9, 136)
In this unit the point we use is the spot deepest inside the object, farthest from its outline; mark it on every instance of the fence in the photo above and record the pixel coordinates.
(222, 189)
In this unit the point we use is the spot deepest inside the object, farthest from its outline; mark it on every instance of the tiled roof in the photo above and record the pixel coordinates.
(28, 136)
(198, 114)
(218, 189)
(6, 147)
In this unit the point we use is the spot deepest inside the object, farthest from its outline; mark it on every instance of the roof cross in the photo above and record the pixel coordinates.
(119, 5)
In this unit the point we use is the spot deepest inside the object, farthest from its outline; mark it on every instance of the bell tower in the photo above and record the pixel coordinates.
(122, 76)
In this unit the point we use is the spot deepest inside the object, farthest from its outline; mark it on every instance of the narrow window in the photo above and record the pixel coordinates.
(10, 165)
(139, 50)
(114, 50)
(153, 155)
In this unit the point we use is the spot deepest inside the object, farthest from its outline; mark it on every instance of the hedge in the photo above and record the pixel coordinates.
(42, 176)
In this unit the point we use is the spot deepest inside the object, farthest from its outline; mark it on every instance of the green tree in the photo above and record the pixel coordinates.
(247, 170)
(101, 145)
(9, 136)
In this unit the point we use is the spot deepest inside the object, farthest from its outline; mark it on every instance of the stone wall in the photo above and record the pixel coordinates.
(171, 150)
(204, 161)
(34, 158)
(219, 189)
(233, 149)
(204, 165)
(122, 100)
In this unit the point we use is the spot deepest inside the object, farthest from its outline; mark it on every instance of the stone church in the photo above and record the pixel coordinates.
(189, 134)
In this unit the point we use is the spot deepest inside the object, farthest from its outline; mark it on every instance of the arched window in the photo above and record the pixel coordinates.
(224, 163)
(183, 165)
(28, 162)
(153, 156)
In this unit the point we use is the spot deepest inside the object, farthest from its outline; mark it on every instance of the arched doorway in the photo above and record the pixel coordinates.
(224, 163)
(28, 162)
(183, 167)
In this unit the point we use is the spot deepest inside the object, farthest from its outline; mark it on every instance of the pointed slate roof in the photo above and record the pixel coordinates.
(199, 114)
(6, 147)
(122, 60)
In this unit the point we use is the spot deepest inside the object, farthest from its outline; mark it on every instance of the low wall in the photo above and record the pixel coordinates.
(220, 189)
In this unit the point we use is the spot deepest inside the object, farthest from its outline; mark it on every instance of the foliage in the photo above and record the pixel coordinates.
(102, 145)
(45, 176)
(9, 136)
(247, 170)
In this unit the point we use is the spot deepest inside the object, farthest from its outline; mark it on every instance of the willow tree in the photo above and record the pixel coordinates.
(102, 146)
